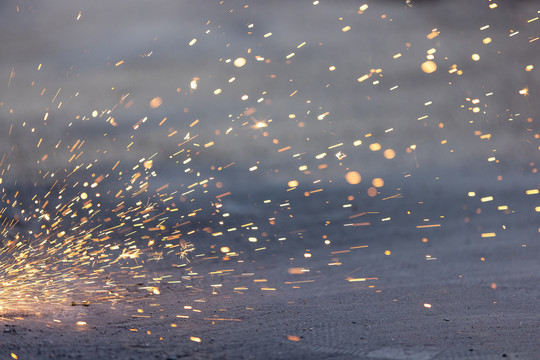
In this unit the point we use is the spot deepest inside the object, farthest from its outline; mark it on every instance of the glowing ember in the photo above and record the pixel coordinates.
(429, 66)
(353, 177)
(378, 182)
(156, 102)
(389, 154)
(240, 62)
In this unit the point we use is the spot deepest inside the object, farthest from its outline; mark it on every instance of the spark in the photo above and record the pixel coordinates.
(429, 66)
(240, 62)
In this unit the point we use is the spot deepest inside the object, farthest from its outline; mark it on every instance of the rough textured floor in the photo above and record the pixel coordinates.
(319, 315)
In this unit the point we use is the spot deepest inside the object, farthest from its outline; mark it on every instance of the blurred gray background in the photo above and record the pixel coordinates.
(79, 64)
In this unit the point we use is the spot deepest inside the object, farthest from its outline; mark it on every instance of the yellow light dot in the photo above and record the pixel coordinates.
(375, 147)
(429, 66)
(389, 154)
(486, 40)
(377, 182)
(475, 57)
(387, 252)
(240, 62)
(292, 183)
(156, 102)
(84, 196)
(148, 164)
(225, 249)
(353, 177)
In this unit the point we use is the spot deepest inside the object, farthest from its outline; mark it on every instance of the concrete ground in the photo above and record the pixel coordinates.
(477, 309)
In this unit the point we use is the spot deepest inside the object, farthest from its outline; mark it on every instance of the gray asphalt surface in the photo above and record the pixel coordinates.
(441, 262)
